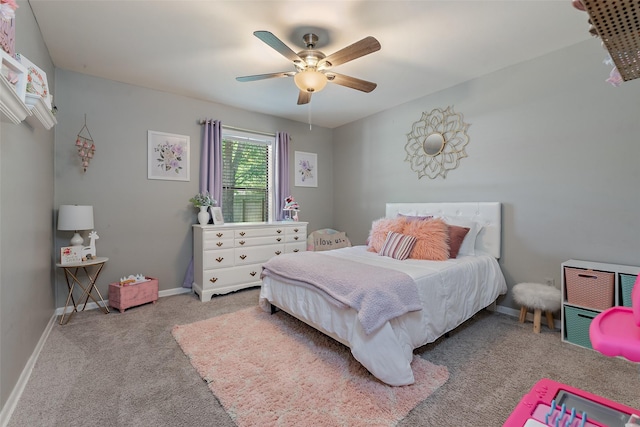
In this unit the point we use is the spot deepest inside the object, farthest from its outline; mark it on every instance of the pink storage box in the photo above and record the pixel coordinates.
(123, 297)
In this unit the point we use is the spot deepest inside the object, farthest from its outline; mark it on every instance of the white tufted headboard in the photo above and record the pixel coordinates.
(488, 214)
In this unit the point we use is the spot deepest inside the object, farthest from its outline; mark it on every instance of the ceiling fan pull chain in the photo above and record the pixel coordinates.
(309, 114)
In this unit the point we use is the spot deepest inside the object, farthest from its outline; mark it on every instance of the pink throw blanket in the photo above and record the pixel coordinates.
(377, 294)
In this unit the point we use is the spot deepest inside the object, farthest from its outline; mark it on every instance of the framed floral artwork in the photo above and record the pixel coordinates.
(306, 168)
(36, 80)
(167, 156)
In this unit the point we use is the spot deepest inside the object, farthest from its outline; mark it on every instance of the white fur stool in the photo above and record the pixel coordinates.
(538, 297)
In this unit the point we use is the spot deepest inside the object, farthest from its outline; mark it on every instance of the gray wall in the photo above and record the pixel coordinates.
(145, 225)
(549, 139)
(26, 218)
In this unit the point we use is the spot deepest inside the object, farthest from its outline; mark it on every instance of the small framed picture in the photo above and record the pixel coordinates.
(70, 254)
(306, 167)
(36, 80)
(167, 156)
(15, 73)
(216, 213)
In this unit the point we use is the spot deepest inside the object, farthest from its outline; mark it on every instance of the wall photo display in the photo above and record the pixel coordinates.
(167, 156)
(306, 169)
(37, 83)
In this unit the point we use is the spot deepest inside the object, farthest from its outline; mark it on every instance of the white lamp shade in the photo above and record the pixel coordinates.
(310, 80)
(75, 217)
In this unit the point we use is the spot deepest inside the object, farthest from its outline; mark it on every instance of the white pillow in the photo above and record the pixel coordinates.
(469, 243)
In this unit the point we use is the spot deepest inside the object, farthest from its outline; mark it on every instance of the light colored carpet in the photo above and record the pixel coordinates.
(275, 370)
(126, 369)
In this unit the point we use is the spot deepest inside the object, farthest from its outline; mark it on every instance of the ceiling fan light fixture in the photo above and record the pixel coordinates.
(310, 80)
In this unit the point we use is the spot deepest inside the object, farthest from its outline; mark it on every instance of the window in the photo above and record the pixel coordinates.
(247, 170)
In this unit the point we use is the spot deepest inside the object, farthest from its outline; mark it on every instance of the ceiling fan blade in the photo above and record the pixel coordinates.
(304, 97)
(264, 76)
(364, 47)
(351, 82)
(278, 45)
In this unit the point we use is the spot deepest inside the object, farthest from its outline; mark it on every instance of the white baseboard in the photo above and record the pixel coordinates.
(93, 305)
(516, 313)
(12, 401)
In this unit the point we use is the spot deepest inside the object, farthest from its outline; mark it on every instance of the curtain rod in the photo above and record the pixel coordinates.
(202, 122)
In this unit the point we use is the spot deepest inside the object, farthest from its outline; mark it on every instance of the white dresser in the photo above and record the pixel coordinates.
(229, 257)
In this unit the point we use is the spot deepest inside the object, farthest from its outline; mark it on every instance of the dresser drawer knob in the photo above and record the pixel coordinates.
(243, 256)
(219, 259)
(242, 242)
(278, 252)
(253, 273)
(219, 244)
(219, 235)
(295, 230)
(213, 279)
(242, 233)
(296, 237)
(279, 238)
(296, 250)
(278, 231)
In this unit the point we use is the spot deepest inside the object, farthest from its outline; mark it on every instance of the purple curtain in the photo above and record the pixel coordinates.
(211, 160)
(210, 173)
(282, 172)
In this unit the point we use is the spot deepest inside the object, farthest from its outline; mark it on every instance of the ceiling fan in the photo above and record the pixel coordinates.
(313, 68)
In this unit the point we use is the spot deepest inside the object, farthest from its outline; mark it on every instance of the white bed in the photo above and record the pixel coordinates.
(450, 291)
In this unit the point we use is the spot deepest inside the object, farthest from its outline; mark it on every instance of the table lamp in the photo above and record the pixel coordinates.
(75, 218)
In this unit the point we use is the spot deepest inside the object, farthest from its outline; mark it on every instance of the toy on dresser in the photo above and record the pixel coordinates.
(133, 290)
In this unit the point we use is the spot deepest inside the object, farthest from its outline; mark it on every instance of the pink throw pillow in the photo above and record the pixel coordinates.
(379, 230)
(397, 246)
(456, 236)
(415, 217)
(432, 239)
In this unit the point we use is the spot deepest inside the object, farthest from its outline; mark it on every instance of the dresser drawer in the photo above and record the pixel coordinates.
(292, 238)
(232, 276)
(295, 247)
(256, 254)
(219, 234)
(217, 244)
(218, 258)
(245, 233)
(299, 230)
(259, 241)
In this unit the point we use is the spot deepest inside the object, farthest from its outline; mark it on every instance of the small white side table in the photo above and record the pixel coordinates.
(92, 269)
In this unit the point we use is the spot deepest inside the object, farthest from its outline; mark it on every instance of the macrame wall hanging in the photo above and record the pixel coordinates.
(85, 145)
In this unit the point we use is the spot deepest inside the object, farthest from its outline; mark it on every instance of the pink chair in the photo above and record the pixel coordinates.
(616, 331)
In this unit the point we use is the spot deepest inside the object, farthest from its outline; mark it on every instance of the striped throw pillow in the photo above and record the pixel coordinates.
(397, 245)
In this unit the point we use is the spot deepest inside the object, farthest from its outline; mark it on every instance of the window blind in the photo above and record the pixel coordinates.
(245, 179)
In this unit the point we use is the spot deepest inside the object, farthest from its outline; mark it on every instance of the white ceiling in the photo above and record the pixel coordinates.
(197, 48)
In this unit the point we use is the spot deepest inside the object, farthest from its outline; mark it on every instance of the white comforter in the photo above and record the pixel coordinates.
(450, 292)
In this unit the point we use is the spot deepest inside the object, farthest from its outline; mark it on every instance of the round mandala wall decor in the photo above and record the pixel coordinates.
(436, 143)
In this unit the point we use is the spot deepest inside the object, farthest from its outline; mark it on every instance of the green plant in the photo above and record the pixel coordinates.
(203, 199)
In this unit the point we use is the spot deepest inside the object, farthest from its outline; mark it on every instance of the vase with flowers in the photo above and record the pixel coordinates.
(203, 201)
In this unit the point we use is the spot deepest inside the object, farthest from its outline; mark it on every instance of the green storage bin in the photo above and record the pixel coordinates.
(626, 285)
(577, 322)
